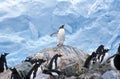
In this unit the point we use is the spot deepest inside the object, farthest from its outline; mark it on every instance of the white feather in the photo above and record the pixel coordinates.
(112, 63)
(4, 67)
(54, 73)
(61, 36)
(53, 64)
(39, 71)
(31, 76)
(105, 58)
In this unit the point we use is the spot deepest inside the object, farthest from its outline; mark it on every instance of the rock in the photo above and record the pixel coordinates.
(72, 77)
(73, 69)
(43, 76)
(23, 68)
(71, 62)
(73, 58)
(112, 74)
(90, 75)
(5, 75)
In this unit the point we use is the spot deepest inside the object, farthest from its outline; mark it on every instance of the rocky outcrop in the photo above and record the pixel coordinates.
(111, 74)
(71, 62)
(5, 75)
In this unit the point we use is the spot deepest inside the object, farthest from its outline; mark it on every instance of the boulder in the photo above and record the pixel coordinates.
(71, 62)
(111, 74)
(90, 75)
(43, 76)
(73, 58)
(23, 68)
(6, 74)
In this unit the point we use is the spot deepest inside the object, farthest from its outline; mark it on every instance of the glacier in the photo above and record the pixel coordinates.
(25, 25)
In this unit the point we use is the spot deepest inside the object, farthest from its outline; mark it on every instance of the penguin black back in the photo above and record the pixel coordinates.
(15, 74)
(35, 68)
(117, 61)
(91, 57)
(3, 62)
(54, 60)
(100, 49)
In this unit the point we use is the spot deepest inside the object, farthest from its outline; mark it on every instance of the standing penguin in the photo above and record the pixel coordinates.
(53, 67)
(54, 62)
(60, 36)
(3, 62)
(115, 60)
(90, 60)
(104, 56)
(35, 70)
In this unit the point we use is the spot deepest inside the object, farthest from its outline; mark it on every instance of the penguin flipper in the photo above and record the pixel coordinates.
(53, 34)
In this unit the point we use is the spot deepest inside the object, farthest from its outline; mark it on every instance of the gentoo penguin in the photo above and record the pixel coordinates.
(104, 56)
(115, 61)
(60, 36)
(3, 62)
(35, 69)
(54, 62)
(14, 74)
(90, 60)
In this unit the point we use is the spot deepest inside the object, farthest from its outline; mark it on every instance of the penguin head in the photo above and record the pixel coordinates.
(106, 50)
(38, 61)
(101, 45)
(61, 27)
(59, 55)
(93, 56)
(4, 54)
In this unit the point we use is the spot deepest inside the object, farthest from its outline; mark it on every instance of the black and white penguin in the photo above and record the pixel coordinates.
(15, 74)
(60, 35)
(3, 62)
(90, 60)
(104, 56)
(35, 69)
(115, 61)
(54, 62)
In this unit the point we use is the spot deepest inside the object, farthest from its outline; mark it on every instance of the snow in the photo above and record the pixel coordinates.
(25, 25)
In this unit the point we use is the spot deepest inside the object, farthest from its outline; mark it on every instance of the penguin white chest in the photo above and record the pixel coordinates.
(105, 58)
(112, 63)
(39, 70)
(61, 36)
